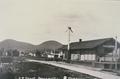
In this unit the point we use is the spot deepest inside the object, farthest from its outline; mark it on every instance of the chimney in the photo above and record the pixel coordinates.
(80, 40)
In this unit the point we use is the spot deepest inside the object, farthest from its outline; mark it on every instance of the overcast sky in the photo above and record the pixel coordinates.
(36, 21)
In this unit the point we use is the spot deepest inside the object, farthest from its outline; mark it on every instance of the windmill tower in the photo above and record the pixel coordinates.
(69, 37)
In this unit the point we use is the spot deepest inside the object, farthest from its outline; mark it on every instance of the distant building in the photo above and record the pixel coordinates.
(31, 54)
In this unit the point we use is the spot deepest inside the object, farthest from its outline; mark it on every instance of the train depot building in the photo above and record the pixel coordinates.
(98, 53)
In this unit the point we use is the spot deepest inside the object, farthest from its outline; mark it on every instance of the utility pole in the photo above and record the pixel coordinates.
(69, 37)
(116, 67)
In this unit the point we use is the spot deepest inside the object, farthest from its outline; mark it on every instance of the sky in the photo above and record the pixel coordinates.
(36, 21)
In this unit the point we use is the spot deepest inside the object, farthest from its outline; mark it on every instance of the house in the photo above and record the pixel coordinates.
(53, 55)
(92, 51)
(32, 54)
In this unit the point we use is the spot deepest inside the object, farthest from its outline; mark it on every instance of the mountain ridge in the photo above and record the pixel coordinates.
(51, 44)
(23, 46)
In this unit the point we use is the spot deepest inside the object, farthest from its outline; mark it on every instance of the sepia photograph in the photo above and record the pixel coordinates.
(59, 39)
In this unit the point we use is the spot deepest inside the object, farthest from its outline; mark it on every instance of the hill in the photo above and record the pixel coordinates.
(23, 46)
(13, 44)
(49, 45)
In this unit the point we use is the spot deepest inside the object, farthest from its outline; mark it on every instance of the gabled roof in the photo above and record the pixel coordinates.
(87, 44)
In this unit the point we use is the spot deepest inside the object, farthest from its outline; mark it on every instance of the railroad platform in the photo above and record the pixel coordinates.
(78, 68)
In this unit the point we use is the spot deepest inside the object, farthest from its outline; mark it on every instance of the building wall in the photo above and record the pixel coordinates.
(105, 53)
(83, 57)
(112, 56)
(75, 56)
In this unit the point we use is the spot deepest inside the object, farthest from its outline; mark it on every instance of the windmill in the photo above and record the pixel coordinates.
(69, 37)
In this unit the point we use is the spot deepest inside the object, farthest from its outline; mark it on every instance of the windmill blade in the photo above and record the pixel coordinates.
(70, 29)
(66, 31)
